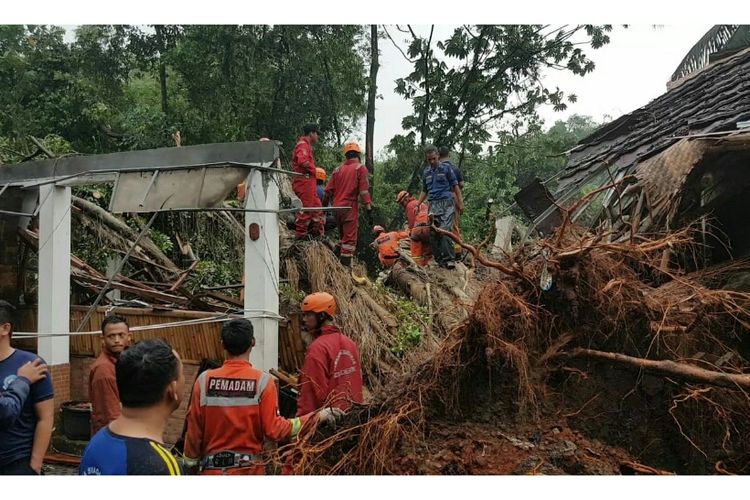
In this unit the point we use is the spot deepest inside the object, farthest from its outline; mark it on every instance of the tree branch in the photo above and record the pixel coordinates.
(396, 45)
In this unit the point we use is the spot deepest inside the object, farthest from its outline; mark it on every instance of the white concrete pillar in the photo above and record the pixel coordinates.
(54, 273)
(262, 268)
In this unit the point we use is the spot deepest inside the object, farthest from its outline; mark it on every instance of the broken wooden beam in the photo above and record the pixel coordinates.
(134, 290)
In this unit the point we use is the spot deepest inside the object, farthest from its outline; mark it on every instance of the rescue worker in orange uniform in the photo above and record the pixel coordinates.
(309, 223)
(348, 184)
(387, 245)
(418, 221)
(332, 371)
(234, 408)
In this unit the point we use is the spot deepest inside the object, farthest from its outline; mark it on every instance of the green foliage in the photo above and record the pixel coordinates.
(163, 241)
(488, 78)
(412, 319)
(118, 87)
(211, 273)
(289, 296)
(509, 164)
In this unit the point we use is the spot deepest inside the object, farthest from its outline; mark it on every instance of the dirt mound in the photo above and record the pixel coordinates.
(603, 334)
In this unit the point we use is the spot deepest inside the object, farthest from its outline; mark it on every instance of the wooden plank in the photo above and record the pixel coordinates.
(163, 297)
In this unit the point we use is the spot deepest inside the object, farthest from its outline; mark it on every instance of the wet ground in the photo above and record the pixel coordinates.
(547, 448)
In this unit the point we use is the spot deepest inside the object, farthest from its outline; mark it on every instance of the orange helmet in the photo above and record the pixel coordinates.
(320, 174)
(377, 229)
(352, 146)
(319, 302)
(402, 196)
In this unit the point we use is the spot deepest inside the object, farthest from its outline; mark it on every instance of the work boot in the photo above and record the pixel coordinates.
(450, 264)
(346, 260)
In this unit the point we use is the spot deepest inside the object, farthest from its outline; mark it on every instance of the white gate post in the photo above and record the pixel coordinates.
(262, 268)
(53, 315)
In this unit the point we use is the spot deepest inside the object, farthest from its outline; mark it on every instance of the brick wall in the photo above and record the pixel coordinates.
(79, 391)
(10, 200)
(61, 383)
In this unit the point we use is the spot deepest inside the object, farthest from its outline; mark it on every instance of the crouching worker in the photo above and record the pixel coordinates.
(234, 408)
(419, 227)
(387, 245)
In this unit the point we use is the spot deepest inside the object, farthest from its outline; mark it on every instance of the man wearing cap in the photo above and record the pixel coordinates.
(308, 223)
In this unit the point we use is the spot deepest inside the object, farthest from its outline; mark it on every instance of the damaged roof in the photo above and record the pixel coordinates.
(712, 100)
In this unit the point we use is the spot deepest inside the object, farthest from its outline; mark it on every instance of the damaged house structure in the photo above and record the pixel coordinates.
(681, 159)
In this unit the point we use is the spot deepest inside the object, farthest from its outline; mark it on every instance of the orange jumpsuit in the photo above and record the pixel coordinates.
(419, 224)
(387, 244)
(234, 408)
(347, 185)
(305, 188)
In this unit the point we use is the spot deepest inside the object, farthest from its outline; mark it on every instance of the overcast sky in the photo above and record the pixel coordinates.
(630, 71)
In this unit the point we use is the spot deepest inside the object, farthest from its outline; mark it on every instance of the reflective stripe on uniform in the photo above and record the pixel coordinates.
(296, 426)
(264, 379)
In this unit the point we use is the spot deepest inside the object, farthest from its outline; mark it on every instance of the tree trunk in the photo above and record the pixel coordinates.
(373, 90)
(668, 368)
(162, 70)
(96, 212)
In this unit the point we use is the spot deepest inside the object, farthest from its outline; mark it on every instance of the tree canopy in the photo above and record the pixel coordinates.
(107, 88)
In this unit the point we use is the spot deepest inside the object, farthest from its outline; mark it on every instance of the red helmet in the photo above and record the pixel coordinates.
(319, 302)
(378, 229)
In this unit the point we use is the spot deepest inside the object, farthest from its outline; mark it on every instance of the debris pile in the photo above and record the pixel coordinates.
(622, 348)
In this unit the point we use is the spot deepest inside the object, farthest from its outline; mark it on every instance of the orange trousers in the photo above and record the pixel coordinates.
(421, 252)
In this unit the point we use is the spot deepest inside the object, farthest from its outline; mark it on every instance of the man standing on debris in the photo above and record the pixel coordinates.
(439, 186)
(234, 408)
(24, 440)
(105, 401)
(445, 158)
(387, 245)
(332, 371)
(311, 223)
(347, 185)
(418, 220)
(150, 382)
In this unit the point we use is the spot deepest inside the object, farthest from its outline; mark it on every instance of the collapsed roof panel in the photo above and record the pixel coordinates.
(75, 169)
(714, 99)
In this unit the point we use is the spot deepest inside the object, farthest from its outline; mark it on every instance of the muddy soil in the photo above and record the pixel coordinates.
(546, 448)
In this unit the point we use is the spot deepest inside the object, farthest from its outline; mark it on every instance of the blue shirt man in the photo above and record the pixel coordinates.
(438, 182)
(110, 454)
(17, 439)
(444, 157)
(440, 186)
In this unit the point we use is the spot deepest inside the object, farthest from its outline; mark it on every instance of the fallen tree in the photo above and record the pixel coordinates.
(532, 352)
